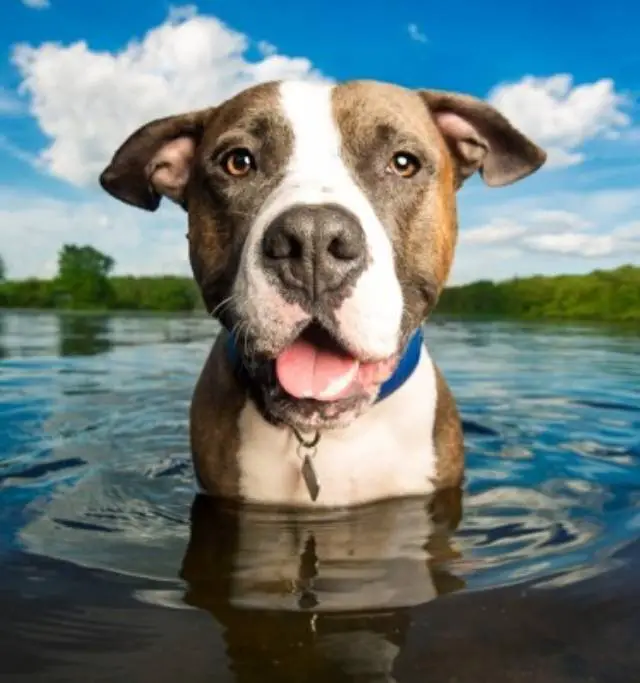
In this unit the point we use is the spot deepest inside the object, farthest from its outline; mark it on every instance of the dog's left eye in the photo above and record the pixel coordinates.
(238, 162)
(404, 164)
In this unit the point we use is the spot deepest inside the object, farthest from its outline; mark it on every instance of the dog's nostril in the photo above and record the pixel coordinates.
(281, 245)
(343, 249)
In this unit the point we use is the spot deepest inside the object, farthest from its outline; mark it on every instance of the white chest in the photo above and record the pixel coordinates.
(386, 453)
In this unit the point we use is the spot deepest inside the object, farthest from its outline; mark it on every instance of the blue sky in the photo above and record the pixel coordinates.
(77, 77)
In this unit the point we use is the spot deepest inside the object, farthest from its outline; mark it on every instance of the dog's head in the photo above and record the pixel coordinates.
(322, 223)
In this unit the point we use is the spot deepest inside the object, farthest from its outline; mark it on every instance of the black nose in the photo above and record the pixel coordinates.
(315, 248)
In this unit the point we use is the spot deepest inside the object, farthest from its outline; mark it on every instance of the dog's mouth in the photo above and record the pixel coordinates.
(315, 382)
(316, 366)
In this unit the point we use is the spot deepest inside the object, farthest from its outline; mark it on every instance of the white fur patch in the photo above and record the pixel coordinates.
(386, 453)
(316, 174)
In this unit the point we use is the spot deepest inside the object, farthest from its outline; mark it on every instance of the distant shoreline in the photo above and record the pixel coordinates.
(436, 318)
(145, 294)
(611, 296)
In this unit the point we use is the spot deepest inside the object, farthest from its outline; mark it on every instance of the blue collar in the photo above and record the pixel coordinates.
(404, 369)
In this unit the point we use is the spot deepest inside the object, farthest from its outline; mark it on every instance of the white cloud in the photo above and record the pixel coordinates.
(503, 230)
(562, 116)
(557, 220)
(37, 4)
(628, 231)
(559, 232)
(561, 158)
(87, 101)
(496, 232)
(141, 243)
(416, 34)
(575, 244)
(266, 48)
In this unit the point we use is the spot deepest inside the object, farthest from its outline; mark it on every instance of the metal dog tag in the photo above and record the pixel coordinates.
(310, 477)
(306, 452)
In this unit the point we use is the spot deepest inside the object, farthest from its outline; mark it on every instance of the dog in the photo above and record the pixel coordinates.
(322, 224)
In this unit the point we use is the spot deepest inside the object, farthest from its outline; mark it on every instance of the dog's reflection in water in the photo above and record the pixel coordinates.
(324, 596)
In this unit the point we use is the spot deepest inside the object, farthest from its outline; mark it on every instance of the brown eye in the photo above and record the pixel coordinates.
(238, 162)
(404, 164)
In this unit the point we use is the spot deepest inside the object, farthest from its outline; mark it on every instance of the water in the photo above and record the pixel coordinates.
(111, 569)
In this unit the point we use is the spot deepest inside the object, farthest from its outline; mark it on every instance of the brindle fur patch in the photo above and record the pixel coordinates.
(448, 437)
(221, 209)
(215, 408)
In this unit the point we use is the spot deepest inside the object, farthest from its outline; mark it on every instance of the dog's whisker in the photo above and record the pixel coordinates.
(234, 332)
(221, 306)
(247, 329)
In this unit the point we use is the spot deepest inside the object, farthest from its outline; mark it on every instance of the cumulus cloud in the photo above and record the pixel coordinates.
(527, 235)
(416, 34)
(87, 101)
(498, 231)
(37, 4)
(574, 244)
(629, 231)
(517, 228)
(266, 48)
(563, 116)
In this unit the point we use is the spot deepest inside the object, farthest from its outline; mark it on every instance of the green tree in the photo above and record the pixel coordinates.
(3, 270)
(612, 295)
(83, 278)
(160, 293)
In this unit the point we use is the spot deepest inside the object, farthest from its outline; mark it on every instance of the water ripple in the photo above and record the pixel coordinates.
(95, 452)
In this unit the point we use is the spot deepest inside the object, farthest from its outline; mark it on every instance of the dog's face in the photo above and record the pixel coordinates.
(322, 223)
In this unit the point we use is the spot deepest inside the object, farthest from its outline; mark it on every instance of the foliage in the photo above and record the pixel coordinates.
(166, 293)
(83, 278)
(84, 282)
(608, 296)
(29, 293)
(3, 271)
(171, 294)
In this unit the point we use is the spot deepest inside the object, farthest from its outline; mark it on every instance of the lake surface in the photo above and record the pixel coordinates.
(111, 569)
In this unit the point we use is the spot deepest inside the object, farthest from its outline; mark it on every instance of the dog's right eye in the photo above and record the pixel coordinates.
(238, 162)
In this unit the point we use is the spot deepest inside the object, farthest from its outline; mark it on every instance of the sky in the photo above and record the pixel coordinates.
(77, 77)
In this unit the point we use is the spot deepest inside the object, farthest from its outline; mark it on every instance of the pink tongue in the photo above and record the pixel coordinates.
(305, 371)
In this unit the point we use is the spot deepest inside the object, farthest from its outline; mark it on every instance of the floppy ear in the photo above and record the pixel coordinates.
(481, 139)
(155, 161)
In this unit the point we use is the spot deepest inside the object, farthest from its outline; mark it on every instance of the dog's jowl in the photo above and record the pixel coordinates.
(322, 228)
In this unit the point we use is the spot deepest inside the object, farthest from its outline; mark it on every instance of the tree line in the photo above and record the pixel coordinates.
(84, 282)
(602, 295)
